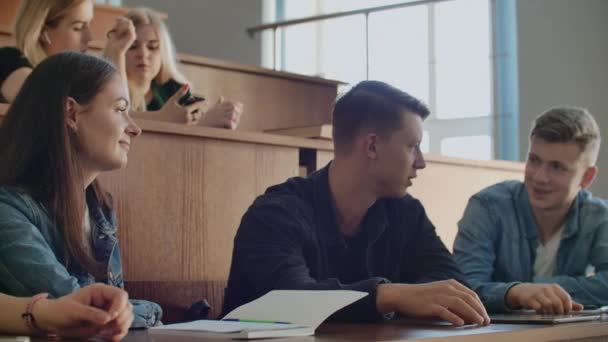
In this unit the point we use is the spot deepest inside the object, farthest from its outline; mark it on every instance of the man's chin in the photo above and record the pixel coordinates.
(400, 193)
(541, 204)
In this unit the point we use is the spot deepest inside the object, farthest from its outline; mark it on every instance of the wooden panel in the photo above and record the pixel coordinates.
(8, 10)
(272, 99)
(270, 102)
(446, 184)
(426, 331)
(229, 189)
(6, 39)
(323, 158)
(176, 297)
(181, 198)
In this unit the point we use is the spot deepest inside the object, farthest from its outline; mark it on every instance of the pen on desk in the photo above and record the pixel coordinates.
(253, 321)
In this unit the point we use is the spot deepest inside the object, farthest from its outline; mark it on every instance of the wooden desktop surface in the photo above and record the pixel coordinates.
(401, 331)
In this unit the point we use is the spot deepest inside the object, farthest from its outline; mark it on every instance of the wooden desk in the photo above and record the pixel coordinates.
(400, 331)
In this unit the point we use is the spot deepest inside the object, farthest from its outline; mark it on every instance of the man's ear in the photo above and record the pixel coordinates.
(589, 176)
(71, 113)
(371, 145)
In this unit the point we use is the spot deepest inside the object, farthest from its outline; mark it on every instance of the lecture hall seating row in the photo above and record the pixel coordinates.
(181, 198)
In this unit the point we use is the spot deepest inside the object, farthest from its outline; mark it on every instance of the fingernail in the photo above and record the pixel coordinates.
(186, 86)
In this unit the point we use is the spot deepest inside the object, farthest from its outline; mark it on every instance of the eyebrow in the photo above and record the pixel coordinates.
(78, 22)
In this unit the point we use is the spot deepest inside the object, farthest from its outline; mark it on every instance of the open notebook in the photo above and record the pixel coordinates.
(279, 313)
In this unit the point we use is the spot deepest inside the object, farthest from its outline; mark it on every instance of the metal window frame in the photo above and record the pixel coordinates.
(502, 122)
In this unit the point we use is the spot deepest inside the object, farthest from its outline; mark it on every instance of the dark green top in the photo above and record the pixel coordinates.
(162, 93)
(11, 59)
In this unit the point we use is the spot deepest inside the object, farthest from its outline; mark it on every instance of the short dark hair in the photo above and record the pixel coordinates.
(372, 104)
(569, 124)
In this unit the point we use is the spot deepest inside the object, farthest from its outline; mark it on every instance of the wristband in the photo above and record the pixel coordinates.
(28, 315)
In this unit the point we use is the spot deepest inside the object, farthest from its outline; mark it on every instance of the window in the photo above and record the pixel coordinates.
(474, 147)
(439, 52)
(109, 2)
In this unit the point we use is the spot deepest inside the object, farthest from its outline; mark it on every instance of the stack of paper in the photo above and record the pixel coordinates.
(279, 313)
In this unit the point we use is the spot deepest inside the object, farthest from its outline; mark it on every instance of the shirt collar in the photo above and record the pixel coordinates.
(373, 224)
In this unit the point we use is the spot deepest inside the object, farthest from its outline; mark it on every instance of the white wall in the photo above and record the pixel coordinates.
(563, 60)
(212, 28)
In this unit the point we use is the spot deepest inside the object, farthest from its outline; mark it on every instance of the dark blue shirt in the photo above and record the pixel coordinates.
(289, 239)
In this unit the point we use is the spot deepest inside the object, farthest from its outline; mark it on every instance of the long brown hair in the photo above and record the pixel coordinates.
(38, 152)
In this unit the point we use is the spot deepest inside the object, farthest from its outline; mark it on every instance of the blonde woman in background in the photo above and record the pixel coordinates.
(155, 83)
(42, 28)
(45, 28)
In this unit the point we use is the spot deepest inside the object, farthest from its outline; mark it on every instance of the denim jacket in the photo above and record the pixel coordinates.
(497, 240)
(33, 256)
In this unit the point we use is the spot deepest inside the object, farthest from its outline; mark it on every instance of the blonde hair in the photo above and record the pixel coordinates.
(569, 124)
(168, 62)
(32, 17)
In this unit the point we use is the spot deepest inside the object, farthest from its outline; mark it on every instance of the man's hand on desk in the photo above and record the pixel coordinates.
(448, 300)
(544, 298)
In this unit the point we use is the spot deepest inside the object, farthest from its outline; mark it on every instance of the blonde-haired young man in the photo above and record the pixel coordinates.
(541, 244)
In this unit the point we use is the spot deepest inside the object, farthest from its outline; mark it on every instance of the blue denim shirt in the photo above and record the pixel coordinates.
(497, 240)
(32, 253)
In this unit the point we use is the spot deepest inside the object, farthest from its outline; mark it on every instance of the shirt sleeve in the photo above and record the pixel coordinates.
(593, 289)
(28, 265)
(474, 252)
(269, 254)
(11, 59)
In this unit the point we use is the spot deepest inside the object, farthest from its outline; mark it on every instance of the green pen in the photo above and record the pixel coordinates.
(253, 321)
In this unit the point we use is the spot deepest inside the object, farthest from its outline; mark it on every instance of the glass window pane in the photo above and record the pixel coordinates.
(330, 6)
(300, 48)
(463, 57)
(398, 49)
(298, 9)
(424, 144)
(473, 147)
(343, 49)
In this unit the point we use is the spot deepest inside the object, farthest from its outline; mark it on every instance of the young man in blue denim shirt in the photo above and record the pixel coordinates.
(541, 244)
(352, 226)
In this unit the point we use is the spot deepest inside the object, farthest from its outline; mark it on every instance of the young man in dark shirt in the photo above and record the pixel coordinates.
(352, 226)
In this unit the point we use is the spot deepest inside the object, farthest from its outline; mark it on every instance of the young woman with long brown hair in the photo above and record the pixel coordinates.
(69, 122)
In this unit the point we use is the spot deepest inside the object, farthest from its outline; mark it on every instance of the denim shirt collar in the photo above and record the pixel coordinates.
(104, 238)
(373, 224)
(571, 226)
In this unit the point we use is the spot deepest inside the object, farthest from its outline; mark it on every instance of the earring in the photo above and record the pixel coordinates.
(72, 128)
(45, 38)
